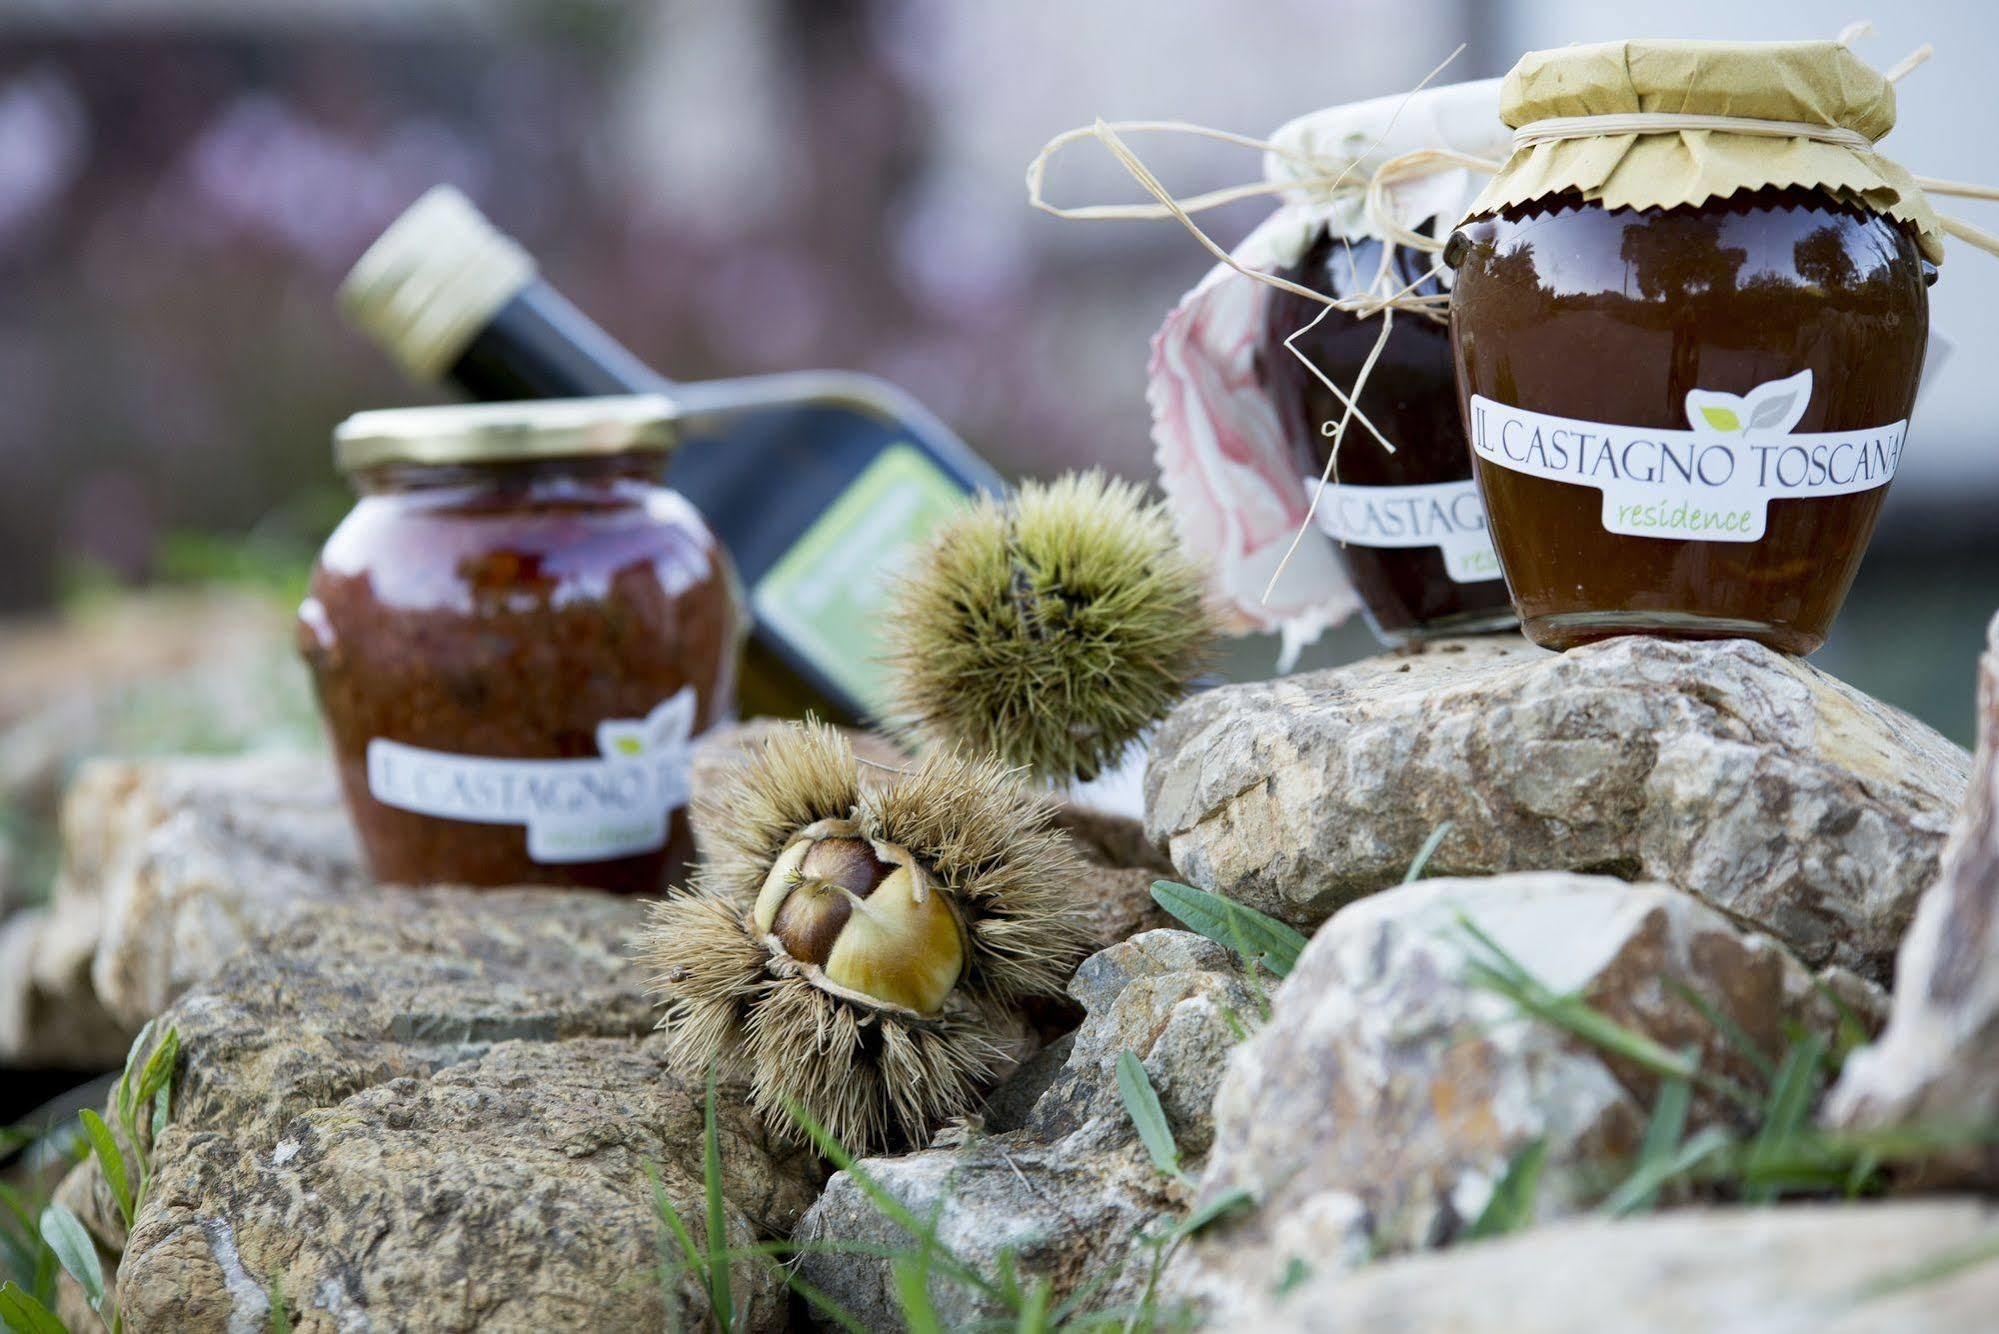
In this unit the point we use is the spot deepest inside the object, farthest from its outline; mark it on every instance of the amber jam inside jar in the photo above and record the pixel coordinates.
(1685, 419)
(1410, 529)
(513, 654)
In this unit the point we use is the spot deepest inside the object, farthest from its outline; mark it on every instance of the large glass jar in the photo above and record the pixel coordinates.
(1685, 419)
(515, 636)
(1410, 529)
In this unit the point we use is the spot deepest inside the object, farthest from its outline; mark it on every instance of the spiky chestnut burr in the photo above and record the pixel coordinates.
(862, 947)
(1050, 630)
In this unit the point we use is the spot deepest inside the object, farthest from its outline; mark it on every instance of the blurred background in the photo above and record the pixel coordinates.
(729, 186)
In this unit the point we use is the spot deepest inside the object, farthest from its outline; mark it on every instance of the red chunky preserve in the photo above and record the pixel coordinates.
(515, 635)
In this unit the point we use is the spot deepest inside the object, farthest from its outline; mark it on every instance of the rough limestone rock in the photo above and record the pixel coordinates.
(1064, 1183)
(1386, 1095)
(1802, 1269)
(143, 672)
(169, 865)
(1784, 798)
(1938, 1061)
(434, 1110)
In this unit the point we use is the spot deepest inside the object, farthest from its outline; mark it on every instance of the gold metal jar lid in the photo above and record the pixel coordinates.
(433, 280)
(551, 428)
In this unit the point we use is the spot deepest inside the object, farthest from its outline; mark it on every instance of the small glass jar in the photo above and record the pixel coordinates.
(1411, 532)
(515, 637)
(1685, 419)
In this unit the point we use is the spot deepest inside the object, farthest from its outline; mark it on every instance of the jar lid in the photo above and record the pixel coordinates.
(432, 281)
(552, 428)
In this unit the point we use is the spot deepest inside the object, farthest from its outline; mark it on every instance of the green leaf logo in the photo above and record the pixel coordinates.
(1722, 419)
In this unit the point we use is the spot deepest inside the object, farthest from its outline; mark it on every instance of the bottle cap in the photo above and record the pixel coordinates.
(462, 433)
(433, 280)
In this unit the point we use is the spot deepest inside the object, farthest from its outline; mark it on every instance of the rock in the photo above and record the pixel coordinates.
(1388, 1092)
(131, 673)
(1938, 1061)
(434, 1109)
(1782, 797)
(1069, 1190)
(1801, 1269)
(49, 1013)
(169, 865)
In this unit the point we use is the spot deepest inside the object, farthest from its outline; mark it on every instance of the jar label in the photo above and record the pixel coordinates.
(1712, 483)
(581, 810)
(1444, 515)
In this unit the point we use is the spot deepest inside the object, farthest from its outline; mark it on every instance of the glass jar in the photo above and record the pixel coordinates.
(1685, 419)
(515, 636)
(1410, 529)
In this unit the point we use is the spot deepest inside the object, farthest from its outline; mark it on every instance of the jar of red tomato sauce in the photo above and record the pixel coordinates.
(515, 636)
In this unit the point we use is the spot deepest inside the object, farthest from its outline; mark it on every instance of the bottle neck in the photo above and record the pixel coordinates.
(538, 345)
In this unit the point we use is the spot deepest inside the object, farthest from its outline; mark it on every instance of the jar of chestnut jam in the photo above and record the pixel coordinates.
(1685, 419)
(1410, 529)
(515, 636)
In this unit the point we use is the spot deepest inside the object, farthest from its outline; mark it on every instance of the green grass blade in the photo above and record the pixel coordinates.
(883, 1199)
(159, 1068)
(163, 1110)
(1976, 1253)
(17, 1256)
(17, 1204)
(1143, 1106)
(24, 1315)
(110, 1160)
(1421, 862)
(1731, 1032)
(1226, 922)
(124, 1093)
(1235, 1201)
(1034, 1311)
(1512, 1204)
(719, 1294)
(1642, 1186)
(822, 1302)
(1784, 1119)
(912, 1294)
(1663, 1133)
(671, 1268)
(280, 1315)
(66, 1236)
(1490, 966)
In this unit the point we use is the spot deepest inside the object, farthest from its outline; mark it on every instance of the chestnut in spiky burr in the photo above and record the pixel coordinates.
(860, 947)
(1051, 629)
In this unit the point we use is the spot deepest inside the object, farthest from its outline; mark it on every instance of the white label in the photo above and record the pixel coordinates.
(1712, 483)
(583, 810)
(1444, 515)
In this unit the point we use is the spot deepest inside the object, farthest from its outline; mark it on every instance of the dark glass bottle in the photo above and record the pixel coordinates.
(817, 483)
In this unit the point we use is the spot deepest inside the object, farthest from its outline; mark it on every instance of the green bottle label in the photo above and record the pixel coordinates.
(825, 595)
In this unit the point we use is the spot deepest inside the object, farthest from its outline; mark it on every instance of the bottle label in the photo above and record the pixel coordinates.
(1444, 515)
(1710, 483)
(827, 593)
(581, 810)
